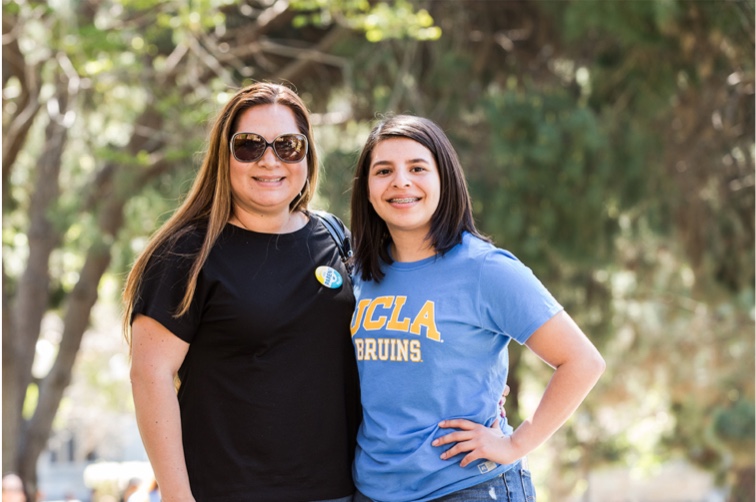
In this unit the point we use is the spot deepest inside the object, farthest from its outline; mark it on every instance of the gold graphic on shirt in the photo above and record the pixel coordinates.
(385, 311)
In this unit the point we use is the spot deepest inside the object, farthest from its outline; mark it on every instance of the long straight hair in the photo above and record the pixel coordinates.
(452, 217)
(209, 201)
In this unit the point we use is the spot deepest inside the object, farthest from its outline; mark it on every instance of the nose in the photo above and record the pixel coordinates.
(401, 180)
(268, 157)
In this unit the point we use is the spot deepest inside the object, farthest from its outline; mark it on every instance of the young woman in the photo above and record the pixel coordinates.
(437, 305)
(231, 295)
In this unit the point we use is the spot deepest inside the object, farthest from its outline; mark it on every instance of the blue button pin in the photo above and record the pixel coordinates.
(329, 277)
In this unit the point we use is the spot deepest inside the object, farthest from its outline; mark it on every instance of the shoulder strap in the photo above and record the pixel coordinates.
(337, 230)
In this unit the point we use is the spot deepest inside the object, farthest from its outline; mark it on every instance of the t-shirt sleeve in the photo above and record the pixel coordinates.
(162, 291)
(512, 299)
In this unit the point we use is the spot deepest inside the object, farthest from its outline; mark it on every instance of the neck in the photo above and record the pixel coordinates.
(266, 223)
(409, 248)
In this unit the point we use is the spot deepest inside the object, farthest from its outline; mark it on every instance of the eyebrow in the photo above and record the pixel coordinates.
(386, 162)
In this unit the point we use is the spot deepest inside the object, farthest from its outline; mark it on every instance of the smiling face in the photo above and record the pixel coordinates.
(268, 185)
(404, 186)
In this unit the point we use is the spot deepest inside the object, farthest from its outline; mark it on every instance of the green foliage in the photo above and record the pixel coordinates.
(545, 154)
(736, 423)
(628, 23)
(30, 401)
(379, 21)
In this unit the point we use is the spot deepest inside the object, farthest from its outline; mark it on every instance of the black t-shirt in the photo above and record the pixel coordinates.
(269, 394)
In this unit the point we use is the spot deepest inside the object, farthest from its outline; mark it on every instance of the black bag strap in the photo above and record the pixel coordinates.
(337, 230)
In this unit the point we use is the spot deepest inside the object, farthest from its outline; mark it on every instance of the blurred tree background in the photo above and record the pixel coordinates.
(608, 144)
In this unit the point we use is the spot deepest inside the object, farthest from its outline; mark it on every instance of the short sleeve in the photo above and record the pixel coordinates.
(163, 286)
(512, 300)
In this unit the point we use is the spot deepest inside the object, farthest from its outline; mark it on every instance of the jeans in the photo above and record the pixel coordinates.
(515, 485)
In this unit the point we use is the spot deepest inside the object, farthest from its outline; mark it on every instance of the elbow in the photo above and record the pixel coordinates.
(147, 380)
(142, 374)
(597, 364)
(136, 376)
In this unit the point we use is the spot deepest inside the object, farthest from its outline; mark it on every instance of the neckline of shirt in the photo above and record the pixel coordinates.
(288, 235)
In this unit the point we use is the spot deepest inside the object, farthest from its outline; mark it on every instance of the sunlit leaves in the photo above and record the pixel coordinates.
(379, 21)
(398, 21)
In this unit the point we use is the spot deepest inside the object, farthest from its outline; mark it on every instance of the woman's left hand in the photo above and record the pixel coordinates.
(478, 441)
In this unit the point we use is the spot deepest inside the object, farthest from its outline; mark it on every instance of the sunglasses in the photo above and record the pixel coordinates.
(248, 147)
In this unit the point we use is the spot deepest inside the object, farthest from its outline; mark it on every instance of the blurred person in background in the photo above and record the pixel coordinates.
(146, 492)
(13, 488)
(131, 487)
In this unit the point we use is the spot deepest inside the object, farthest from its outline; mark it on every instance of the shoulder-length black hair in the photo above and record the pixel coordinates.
(452, 217)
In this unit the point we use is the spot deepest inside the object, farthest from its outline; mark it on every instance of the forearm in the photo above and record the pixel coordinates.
(567, 388)
(159, 421)
(561, 344)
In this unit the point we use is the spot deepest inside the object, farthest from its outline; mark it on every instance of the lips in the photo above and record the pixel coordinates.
(267, 180)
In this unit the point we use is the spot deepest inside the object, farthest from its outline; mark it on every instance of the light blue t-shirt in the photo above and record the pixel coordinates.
(431, 344)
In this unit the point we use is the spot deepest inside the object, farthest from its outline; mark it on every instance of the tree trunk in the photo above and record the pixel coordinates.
(744, 487)
(11, 391)
(80, 303)
(15, 131)
(115, 186)
(32, 293)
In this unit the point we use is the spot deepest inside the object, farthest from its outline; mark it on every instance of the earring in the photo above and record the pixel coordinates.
(305, 188)
(301, 194)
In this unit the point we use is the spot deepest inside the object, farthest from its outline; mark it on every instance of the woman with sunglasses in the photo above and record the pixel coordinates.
(226, 297)
(437, 305)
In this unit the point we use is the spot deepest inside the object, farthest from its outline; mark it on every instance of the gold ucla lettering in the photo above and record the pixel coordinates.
(366, 315)
(426, 317)
(394, 322)
(357, 316)
(371, 324)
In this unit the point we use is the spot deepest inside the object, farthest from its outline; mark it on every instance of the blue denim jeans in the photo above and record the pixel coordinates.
(515, 485)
